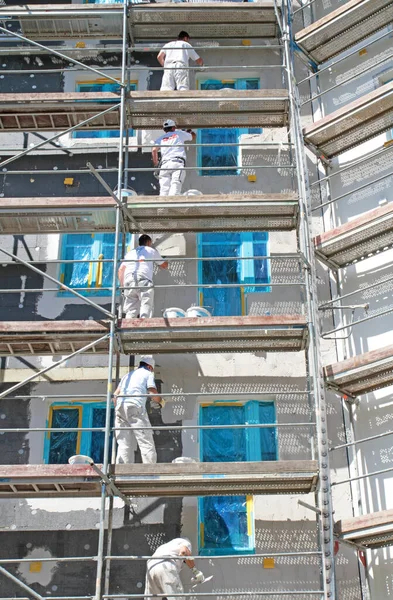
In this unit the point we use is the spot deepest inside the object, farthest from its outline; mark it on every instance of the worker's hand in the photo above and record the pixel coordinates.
(114, 400)
(157, 405)
(198, 576)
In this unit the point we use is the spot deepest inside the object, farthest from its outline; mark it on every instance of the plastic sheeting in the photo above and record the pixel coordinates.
(223, 156)
(62, 445)
(229, 301)
(89, 247)
(98, 437)
(225, 519)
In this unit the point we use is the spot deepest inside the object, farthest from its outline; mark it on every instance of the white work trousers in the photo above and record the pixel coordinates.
(163, 578)
(176, 77)
(171, 177)
(132, 415)
(139, 301)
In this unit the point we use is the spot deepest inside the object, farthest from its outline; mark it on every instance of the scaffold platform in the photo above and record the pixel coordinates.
(362, 374)
(344, 27)
(58, 111)
(353, 124)
(145, 110)
(374, 530)
(358, 239)
(281, 333)
(208, 20)
(209, 108)
(163, 479)
(220, 212)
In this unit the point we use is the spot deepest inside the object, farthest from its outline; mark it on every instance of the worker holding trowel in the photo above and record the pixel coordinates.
(163, 569)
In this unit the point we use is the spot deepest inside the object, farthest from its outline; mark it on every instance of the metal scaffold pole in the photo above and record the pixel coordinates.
(323, 495)
(111, 354)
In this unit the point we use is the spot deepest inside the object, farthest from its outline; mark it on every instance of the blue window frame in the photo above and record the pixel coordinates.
(223, 156)
(232, 301)
(88, 247)
(97, 86)
(60, 446)
(226, 524)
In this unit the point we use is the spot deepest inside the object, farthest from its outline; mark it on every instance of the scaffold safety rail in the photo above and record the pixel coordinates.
(344, 27)
(219, 212)
(363, 373)
(280, 333)
(158, 22)
(353, 124)
(360, 238)
(163, 479)
(373, 530)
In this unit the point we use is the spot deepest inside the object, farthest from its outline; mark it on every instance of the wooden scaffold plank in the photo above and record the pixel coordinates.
(362, 374)
(274, 333)
(373, 530)
(353, 124)
(344, 27)
(362, 237)
(221, 212)
(163, 479)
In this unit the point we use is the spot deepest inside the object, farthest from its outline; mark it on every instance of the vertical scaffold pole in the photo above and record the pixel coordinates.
(122, 129)
(313, 350)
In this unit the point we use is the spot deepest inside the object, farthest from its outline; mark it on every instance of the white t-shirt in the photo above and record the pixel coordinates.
(172, 548)
(172, 144)
(139, 264)
(179, 51)
(137, 382)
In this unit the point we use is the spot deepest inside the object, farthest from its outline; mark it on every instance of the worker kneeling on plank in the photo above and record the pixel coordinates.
(137, 276)
(163, 574)
(130, 411)
(173, 158)
(174, 57)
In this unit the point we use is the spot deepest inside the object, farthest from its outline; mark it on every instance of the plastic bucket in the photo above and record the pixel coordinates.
(197, 311)
(183, 459)
(174, 313)
(79, 459)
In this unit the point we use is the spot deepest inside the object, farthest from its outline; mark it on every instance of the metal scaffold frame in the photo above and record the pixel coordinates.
(315, 393)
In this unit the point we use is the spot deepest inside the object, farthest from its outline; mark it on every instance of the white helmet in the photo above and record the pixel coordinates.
(148, 359)
(169, 123)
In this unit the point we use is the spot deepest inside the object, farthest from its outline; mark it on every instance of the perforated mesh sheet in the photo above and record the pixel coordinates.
(336, 33)
(72, 27)
(224, 108)
(223, 213)
(157, 31)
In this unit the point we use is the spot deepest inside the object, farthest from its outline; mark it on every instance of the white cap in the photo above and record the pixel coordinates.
(148, 359)
(169, 123)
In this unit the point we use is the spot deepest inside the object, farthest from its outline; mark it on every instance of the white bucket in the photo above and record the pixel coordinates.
(183, 459)
(174, 313)
(79, 459)
(197, 311)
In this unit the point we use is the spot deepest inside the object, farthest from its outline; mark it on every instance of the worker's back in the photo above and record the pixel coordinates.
(172, 548)
(179, 51)
(135, 386)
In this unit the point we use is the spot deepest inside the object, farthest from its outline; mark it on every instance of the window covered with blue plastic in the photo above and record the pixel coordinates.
(226, 522)
(62, 445)
(89, 247)
(98, 437)
(100, 87)
(225, 301)
(224, 155)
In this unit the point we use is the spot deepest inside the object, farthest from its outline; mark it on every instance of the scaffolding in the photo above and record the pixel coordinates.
(119, 214)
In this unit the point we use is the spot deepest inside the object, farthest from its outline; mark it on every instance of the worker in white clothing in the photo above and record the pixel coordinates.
(173, 158)
(137, 275)
(130, 410)
(174, 57)
(163, 574)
